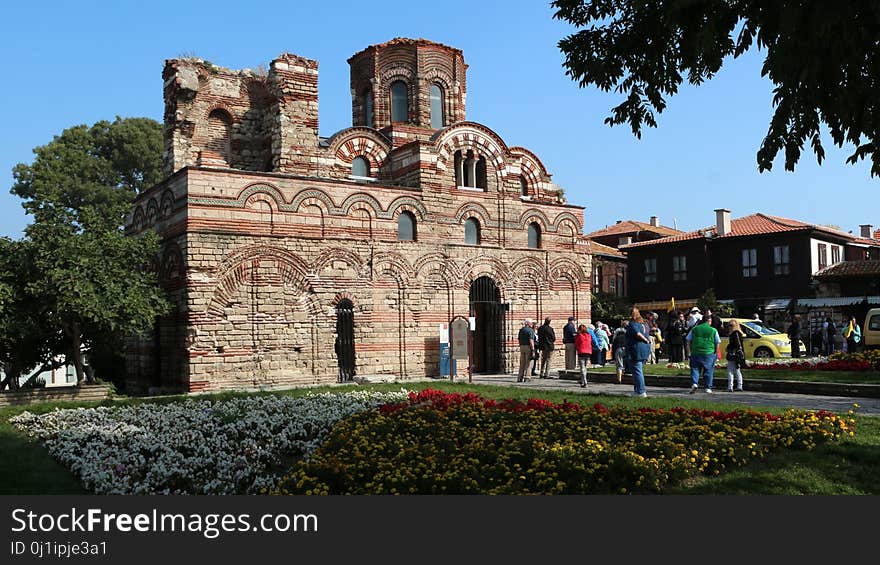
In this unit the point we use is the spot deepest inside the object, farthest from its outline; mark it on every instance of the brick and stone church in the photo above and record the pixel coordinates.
(292, 258)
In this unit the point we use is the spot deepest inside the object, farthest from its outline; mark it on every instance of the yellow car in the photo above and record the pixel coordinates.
(759, 341)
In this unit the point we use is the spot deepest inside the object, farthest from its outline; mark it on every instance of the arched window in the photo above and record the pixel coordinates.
(406, 227)
(368, 107)
(534, 236)
(523, 186)
(436, 106)
(472, 231)
(399, 102)
(219, 134)
(470, 170)
(360, 167)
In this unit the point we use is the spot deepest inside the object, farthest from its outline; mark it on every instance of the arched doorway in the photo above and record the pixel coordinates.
(489, 332)
(345, 340)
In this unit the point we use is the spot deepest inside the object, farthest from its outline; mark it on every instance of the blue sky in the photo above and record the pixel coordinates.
(69, 63)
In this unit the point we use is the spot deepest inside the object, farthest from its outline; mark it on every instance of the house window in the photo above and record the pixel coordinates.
(406, 227)
(835, 254)
(780, 260)
(472, 231)
(679, 268)
(750, 263)
(436, 106)
(650, 270)
(523, 186)
(597, 278)
(823, 255)
(534, 236)
(360, 167)
(620, 282)
(399, 102)
(470, 170)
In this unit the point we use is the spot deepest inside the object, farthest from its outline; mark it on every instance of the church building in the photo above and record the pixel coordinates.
(295, 259)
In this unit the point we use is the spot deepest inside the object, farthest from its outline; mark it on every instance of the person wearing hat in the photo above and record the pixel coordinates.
(526, 340)
(569, 332)
(693, 319)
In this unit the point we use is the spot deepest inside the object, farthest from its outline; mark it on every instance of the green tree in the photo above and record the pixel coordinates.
(708, 301)
(821, 56)
(90, 280)
(609, 308)
(25, 340)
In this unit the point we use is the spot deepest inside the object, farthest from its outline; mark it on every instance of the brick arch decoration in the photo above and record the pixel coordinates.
(390, 75)
(405, 203)
(172, 268)
(338, 254)
(532, 169)
(340, 296)
(152, 212)
(567, 269)
(269, 192)
(567, 217)
(450, 106)
(261, 197)
(139, 220)
(477, 267)
(531, 266)
(433, 262)
(238, 267)
(471, 135)
(535, 215)
(473, 210)
(222, 107)
(361, 201)
(312, 197)
(166, 208)
(360, 142)
(393, 265)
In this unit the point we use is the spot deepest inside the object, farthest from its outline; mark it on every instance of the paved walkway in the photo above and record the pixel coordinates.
(840, 404)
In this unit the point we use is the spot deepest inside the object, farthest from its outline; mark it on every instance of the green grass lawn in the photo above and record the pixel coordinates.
(848, 467)
(844, 377)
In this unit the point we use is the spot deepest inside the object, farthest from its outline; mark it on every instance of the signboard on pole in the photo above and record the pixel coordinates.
(458, 331)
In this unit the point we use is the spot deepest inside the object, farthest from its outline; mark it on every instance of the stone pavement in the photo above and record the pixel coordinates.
(756, 399)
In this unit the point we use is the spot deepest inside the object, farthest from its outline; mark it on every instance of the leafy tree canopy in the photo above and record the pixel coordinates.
(821, 56)
(87, 281)
(609, 308)
(88, 176)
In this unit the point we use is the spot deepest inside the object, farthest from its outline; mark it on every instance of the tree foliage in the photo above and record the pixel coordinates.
(25, 341)
(609, 308)
(90, 283)
(821, 56)
(708, 301)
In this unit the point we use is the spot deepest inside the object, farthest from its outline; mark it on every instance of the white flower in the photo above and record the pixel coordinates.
(194, 446)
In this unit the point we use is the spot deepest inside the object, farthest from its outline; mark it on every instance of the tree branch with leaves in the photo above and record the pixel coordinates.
(823, 59)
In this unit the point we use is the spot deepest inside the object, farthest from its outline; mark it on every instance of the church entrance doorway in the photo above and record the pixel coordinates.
(345, 340)
(489, 333)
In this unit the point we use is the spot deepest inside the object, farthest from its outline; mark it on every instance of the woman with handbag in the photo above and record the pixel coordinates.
(736, 356)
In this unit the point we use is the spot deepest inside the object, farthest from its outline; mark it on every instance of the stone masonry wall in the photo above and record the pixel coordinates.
(265, 230)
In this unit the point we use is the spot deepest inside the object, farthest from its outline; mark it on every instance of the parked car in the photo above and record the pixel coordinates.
(760, 341)
(871, 329)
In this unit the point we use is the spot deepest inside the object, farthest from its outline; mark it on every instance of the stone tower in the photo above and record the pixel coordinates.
(408, 82)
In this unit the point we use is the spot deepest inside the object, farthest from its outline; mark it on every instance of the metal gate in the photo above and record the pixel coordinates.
(490, 330)
(345, 340)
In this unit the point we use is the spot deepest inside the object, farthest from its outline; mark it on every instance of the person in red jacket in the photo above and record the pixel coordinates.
(583, 346)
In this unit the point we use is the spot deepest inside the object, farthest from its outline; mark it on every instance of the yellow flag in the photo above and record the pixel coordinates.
(671, 304)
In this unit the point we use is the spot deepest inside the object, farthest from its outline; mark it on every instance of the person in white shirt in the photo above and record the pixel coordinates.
(693, 319)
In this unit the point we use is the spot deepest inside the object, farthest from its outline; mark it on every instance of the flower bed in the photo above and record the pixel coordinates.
(438, 443)
(871, 357)
(196, 446)
(836, 362)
